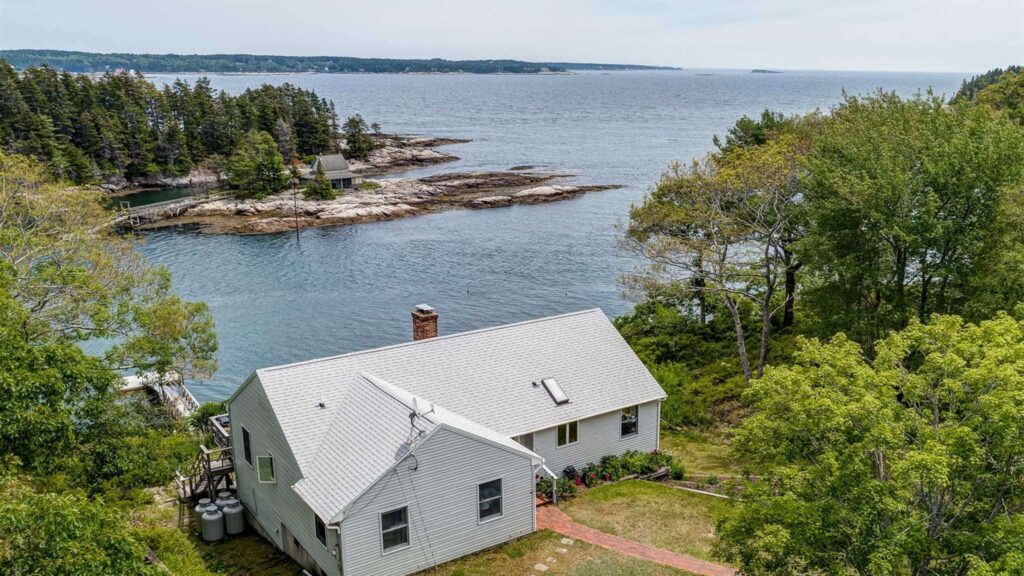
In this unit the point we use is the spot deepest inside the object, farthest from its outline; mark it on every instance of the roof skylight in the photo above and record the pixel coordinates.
(555, 390)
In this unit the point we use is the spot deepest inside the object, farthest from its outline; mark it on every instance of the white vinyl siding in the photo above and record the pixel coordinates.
(271, 505)
(598, 436)
(440, 487)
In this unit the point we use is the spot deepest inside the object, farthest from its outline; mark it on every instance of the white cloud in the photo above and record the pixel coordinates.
(956, 35)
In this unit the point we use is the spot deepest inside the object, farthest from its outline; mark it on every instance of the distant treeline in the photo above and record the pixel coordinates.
(970, 88)
(251, 63)
(86, 129)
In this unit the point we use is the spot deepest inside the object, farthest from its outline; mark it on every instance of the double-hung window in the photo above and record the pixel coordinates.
(489, 496)
(630, 420)
(568, 433)
(394, 529)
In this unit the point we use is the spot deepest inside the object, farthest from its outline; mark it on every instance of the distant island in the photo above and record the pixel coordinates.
(763, 71)
(87, 62)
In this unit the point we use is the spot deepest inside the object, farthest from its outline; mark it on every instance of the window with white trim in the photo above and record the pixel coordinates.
(321, 530)
(568, 433)
(489, 496)
(630, 421)
(265, 469)
(394, 529)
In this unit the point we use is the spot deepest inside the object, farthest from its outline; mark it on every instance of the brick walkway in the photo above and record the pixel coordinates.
(551, 518)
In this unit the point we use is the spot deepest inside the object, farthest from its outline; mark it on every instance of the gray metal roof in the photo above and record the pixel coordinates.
(335, 166)
(370, 431)
(484, 376)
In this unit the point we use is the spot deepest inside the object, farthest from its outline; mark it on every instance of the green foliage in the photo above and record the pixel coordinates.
(358, 142)
(909, 463)
(64, 279)
(201, 418)
(1005, 95)
(320, 187)
(370, 185)
(119, 124)
(970, 88)
(904, 199)
(256, 169)
(677, 472)
(49, 393)
(722, 229)
(58, 534)
(748, 132)
(77, 280)
(694, 362)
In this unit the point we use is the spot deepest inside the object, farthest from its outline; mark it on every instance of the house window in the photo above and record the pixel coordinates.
(265, 469)
(394, 529)
(568, 433)
(630, 416)
(246, 446)
(321, 530)
(489, 494)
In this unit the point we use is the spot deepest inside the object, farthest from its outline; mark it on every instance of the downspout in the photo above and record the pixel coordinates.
(341, 558)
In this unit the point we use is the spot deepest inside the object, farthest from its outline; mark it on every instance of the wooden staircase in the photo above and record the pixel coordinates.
(209, 473)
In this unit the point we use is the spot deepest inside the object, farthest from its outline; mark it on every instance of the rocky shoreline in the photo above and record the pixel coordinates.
(400, 153)
(397, 198)
(394, 154)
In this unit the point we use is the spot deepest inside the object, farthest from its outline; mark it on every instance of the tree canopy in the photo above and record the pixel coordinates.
(907, 464)
(904, 198)
(255, 169)
(123, 125)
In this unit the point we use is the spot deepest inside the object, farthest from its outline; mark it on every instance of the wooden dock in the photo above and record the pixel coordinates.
(133, 217)
(175, 396)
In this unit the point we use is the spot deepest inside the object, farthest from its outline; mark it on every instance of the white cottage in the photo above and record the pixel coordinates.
(393, 460)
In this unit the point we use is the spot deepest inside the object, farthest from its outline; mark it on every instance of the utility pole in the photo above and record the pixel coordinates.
(295, 195)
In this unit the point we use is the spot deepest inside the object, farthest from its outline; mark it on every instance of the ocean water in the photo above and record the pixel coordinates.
(276, 299)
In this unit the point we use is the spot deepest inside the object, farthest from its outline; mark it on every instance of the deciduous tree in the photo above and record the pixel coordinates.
(907, 464)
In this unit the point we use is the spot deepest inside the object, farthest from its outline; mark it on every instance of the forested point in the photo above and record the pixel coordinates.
(253, 63)
(841, 296)
(87, 129)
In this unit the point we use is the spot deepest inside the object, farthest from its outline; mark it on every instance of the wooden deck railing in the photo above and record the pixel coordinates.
(221, 435)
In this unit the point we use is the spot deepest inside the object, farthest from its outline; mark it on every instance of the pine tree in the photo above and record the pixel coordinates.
(256, 168)
(320, 187)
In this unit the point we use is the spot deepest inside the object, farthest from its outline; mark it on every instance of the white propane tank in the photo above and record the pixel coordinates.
(213, 525)
(234, 518)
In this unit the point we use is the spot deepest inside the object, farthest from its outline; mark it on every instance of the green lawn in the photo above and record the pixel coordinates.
(518, 557)
(700, 453)
(652, 513)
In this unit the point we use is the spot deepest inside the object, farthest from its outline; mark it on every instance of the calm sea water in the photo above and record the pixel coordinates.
(278, 300)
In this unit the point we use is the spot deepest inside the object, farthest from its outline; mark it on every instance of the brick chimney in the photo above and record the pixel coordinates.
(424, 322)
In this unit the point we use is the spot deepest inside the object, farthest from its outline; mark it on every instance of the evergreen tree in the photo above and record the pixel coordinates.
(256, 168)
(358, 142)
(320, 187)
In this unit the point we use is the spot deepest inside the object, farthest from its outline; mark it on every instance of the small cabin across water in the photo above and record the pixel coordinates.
(336, 168)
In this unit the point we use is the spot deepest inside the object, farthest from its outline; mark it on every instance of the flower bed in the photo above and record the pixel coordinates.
(632, 464)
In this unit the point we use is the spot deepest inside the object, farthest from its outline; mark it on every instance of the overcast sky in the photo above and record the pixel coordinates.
(926, 35)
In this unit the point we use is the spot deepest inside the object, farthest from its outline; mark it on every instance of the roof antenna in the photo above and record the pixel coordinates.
(321, 403)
